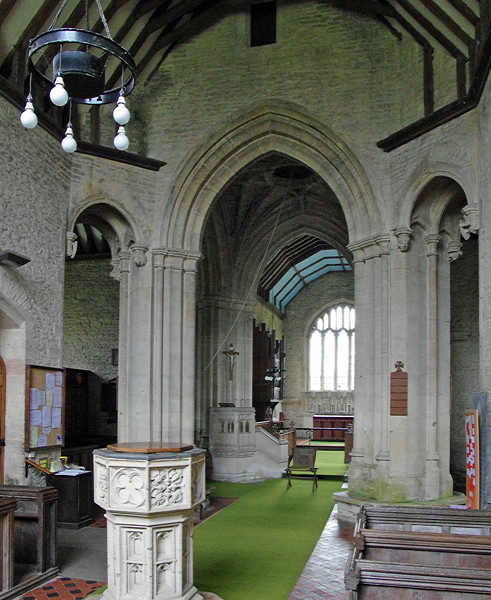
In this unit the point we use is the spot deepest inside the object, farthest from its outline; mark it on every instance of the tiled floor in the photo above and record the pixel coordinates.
(322, 577)
(63, 588)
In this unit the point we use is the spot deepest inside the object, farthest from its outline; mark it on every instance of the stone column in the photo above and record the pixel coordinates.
(173, 345)
(150, 494)
(157, 340)
(432, 475)
(122, 272)
(369, 469)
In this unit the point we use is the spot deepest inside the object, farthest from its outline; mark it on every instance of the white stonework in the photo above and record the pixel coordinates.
(189, 244)
(150, 500)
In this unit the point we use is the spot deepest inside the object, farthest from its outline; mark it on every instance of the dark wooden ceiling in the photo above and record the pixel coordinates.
(150, 29)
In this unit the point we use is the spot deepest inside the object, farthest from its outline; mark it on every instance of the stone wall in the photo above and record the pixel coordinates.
(91, 317)
(345, 72)
(91, 331)
(33, 205)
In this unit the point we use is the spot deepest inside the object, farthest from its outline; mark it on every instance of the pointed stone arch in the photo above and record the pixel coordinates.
(424, 187)
(266, 130)
(110, 218)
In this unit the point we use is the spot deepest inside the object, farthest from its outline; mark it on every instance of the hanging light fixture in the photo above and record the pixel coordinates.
(70, 64)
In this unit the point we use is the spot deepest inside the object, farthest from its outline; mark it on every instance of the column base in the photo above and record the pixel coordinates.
(191, 594)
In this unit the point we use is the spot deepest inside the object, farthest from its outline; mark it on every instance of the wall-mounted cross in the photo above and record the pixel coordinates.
(232, 354)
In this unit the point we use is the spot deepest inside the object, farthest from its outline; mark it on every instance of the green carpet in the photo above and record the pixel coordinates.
(330, 462)
(256, 548)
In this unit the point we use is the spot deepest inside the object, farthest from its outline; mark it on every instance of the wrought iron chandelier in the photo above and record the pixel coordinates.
(71, 65)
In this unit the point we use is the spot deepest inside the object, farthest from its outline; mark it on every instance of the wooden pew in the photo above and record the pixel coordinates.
(7, 507)
(377, 580)
(431, 519)
(407, 547)
(34, 544)
(423, 553)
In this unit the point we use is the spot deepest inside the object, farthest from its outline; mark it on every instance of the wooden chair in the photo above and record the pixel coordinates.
(302, 461)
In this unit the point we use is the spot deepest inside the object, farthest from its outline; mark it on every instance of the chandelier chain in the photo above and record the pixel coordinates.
(103, 19)
(101, 14)
(57, 16)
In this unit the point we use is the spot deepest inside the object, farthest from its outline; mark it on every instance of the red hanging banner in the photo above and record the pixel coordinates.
(472, 457)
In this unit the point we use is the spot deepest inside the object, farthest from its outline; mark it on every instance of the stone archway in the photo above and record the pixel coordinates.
(101, 271)
(267, 130)
(230, 299)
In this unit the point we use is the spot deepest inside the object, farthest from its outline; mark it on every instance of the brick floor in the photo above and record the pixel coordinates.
(323, 575)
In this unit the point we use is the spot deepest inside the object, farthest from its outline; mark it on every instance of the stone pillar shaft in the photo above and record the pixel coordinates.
(432, 476)
(124, 274)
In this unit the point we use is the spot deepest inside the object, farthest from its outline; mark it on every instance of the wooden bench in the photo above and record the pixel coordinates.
(34, 544)
(447, 549)
(432, 519)
(377, 580)
(7, 508)
(443, 553)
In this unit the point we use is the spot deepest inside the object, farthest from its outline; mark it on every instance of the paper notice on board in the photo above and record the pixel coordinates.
(50, 381)
(41, 397)
(33, 437)
(42, 441)
(57, 398)
(46, 416)
(35, 417)
(49, 398)
(59, 378)
(56, 418)
(34, 398)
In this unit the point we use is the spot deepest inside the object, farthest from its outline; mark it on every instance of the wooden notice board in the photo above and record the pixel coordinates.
(472, 456)
(45, 399)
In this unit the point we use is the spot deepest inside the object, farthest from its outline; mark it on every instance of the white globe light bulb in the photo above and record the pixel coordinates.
(121, 114)
(58, 94)
(68, 143)
(121, 141)
(28, 118)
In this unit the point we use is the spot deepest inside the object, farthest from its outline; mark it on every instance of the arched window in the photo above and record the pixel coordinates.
(331, 350)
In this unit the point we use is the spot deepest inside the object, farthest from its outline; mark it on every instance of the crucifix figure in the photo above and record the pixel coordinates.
(231, 353)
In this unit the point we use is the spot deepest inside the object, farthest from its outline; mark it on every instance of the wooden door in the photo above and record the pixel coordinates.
(2, 416)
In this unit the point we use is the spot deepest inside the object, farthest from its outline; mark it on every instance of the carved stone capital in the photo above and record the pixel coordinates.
(124, 262)
(139, 255)
(115, 271)
(71, 244)
(469, 223)
(454, 250)
(432, 240)
(403, 235)
(158, 257)
(369, 248)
